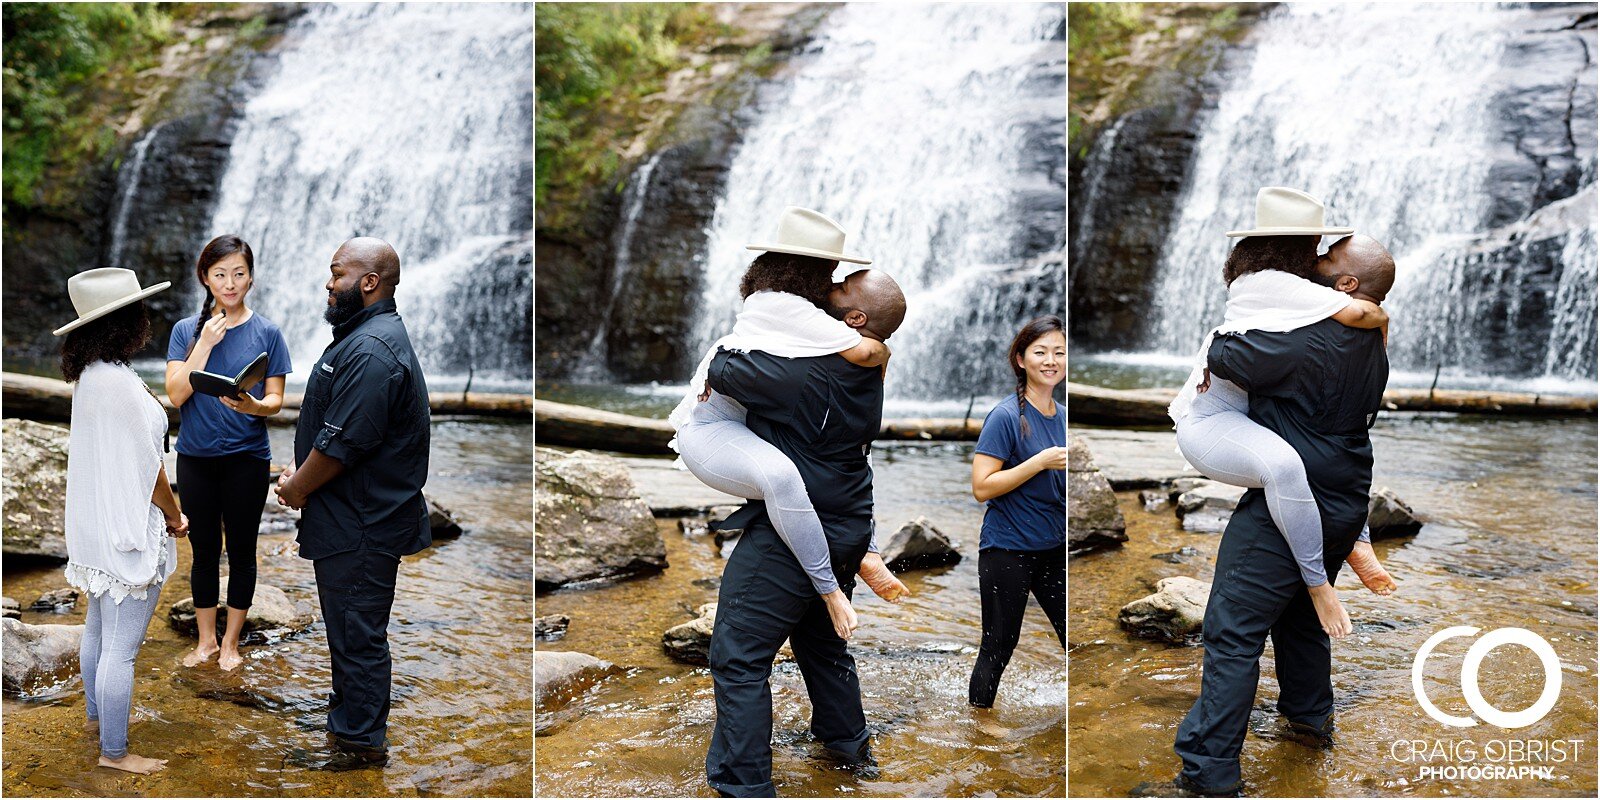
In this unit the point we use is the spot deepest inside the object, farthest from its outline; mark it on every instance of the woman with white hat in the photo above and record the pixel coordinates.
(1272, 285)
(121, 513)
(785, 293)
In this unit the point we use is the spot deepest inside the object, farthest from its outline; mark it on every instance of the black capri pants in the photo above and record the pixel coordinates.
(1005, 578)
(223, 494)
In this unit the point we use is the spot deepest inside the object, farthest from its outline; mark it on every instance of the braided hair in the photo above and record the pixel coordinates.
(1036, 329)
(215, 250)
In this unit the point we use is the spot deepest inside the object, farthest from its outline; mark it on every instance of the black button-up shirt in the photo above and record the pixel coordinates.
(1319, 387)
(823, 413)
(366, 405)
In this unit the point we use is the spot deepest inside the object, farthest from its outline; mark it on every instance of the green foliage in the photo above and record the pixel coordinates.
(57, 56)
(595, 61)
(1097, 35)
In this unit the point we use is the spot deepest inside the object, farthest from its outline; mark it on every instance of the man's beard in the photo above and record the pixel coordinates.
(1325, 280)
(346, 304)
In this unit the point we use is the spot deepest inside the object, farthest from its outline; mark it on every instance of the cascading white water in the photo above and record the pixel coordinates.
(411, 122)
(906, 127)
(1384, 112)
(129, 193)
(592, 364)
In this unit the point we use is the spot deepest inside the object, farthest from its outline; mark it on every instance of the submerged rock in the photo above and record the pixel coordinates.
(690, 642)
(918, 545)
(1154, 499)
(559, 676)
(34, 489)
(1176, 556)
(551, 627)
(1093, 519)
(591, 521)
(11, 608)
(36, 655)
(59, 601)
(1207, 506)
(441, 523)
(1389, 517)
(271, 613)
(1173, 614)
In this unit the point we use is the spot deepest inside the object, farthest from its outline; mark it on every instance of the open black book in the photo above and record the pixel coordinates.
(225, 386)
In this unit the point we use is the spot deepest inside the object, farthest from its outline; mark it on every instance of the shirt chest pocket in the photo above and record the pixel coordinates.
(319, 385)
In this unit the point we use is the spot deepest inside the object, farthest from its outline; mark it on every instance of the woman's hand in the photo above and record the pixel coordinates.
(880, 580)
(212, 332)
(179, 527)
(840, 611)
(246, 404)
(1051, 458)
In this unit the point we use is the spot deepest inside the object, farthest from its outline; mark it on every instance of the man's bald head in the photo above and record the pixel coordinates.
(1359, 266)
(869, 301)
(370, 254)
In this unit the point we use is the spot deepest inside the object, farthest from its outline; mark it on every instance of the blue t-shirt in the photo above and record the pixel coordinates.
(206, 426)
(1032, 516)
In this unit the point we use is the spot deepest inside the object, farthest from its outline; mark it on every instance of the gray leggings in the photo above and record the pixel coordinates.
(726, 456)
(112, 634)
(1224, 444)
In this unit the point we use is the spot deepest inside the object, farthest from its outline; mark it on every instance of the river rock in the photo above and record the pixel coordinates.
(551, 627)
(690, 642)
(1207, 506)
(37, 654)
(1154, 499)
(271, 613)
(10, 608)
(59, 601)
(1389, 517)
(591, 521)
(441, 523)
(35, 489)
(918, 545)
(560, 675)
(1093, 519)
(1173, 614)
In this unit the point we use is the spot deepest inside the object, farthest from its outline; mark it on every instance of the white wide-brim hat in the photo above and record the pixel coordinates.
(1289, 212)
(99, 292)
(804, 232)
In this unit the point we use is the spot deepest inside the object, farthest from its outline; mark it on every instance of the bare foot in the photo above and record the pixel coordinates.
(230, 659)
(989, 723)
(1371, 572)
(881, 580)
(1330, 612)
(135, 764)
(200, 654)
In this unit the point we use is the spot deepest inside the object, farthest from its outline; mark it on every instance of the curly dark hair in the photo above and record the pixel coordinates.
(116, 337)
(808, 277)
(1296, 255)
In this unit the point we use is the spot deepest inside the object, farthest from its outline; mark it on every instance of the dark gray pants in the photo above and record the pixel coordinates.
(765, 598)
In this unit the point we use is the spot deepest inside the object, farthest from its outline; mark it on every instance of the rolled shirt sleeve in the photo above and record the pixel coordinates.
(358, 407)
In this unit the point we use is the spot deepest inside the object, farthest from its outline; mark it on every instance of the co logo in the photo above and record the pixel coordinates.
(1469, 677)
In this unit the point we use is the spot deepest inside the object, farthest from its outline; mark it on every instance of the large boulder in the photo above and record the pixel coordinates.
(1173, 614)
(1093, 519)
(918, 545)
(591, 522)
(560, 676)
(1389, 517)
(35, 489)
(37, 655)
(1207, 506)
(691, 641)
(272, 614)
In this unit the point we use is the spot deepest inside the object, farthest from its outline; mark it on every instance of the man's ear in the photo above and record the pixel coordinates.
(370, 286)
(855, 318)
(1347, 283)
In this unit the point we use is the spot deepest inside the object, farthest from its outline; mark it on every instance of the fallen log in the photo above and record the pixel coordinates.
(1118, 408)
(50, 400)
(566, 425)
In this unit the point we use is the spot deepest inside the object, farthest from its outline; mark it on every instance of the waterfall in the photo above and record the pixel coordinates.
(592, 364)
(918, 128)
(128, 192)
(1387, 112)
(413, 123)
(1094, 173)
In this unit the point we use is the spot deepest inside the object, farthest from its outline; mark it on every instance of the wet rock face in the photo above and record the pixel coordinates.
(1093, 519)
(918, 545)
(560, 676)
(690, 642)
(551, 627)
(592, 522)
(1206, 506)
(35, 489)
(1390, 517)
(1173, 614)
(36, 655)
